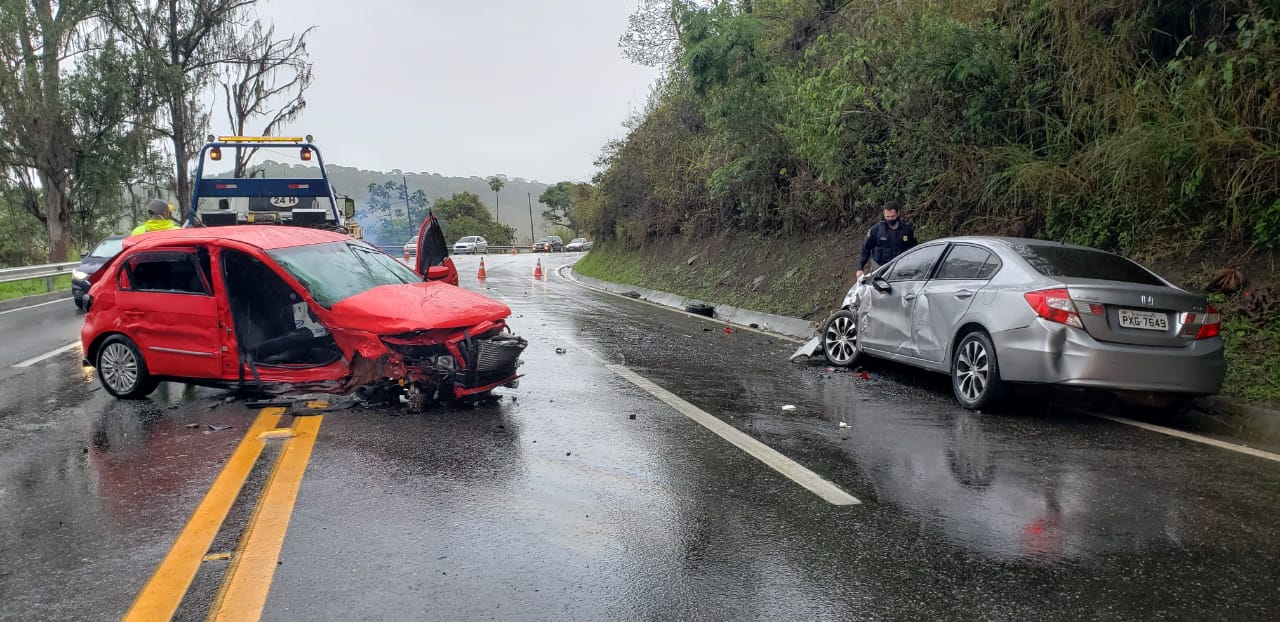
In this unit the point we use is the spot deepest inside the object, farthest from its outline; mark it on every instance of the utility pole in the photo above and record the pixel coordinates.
(408, 209)
(532, 237)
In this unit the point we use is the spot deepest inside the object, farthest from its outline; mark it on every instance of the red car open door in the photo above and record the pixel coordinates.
(433, 252)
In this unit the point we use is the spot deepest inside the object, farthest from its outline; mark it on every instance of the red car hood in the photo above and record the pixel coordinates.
(393, 309)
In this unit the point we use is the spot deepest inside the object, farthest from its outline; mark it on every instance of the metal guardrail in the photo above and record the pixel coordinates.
(47, 272)
(398, 251)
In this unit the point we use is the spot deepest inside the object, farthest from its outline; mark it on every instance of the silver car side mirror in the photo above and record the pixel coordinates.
(881, 285)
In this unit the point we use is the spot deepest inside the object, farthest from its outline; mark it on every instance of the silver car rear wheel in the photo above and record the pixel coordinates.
(973, 369)
(975, 374)
(840, 339)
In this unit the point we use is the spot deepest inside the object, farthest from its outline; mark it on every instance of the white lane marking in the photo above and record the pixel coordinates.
(51, 302)
(48, 355)
(791, 469)
(1195, 438)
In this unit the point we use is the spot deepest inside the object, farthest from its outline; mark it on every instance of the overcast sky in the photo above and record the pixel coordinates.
(529, 89)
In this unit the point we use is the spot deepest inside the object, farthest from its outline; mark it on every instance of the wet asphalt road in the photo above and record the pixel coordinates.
(29, 332)
(552, 503)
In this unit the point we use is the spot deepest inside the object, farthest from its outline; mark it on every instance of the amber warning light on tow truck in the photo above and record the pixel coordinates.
(215, 153)
(263, 139)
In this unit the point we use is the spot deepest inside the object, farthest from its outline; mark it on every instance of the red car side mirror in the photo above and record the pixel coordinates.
(436, 273)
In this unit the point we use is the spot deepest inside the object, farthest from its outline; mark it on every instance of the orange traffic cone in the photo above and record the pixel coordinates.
(537, 271)
(406, 254)
(514, 251)
(480, 275)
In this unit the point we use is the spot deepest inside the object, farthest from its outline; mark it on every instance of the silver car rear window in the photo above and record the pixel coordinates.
(1080, 263)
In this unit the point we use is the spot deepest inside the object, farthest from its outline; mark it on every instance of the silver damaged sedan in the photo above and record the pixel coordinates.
(994, 311)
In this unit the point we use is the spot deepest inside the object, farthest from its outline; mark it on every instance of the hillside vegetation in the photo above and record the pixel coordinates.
(1143, 127)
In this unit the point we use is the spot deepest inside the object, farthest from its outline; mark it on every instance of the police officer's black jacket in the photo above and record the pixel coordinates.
(884, 243)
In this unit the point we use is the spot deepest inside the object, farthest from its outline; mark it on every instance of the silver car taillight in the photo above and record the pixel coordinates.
(1054, 305)
(1202, 325)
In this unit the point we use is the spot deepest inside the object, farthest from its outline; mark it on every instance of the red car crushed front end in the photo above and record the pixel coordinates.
(465, 349)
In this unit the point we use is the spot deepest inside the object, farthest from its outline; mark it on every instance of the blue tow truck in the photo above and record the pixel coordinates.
(300, 202)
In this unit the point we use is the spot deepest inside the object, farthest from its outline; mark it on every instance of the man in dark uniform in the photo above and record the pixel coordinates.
(887, 239)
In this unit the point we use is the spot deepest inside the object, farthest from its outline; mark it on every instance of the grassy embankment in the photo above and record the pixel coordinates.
(32, 287)
(808, 278)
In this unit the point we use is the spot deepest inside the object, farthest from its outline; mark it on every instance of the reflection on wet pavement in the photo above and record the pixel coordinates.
(93, 489)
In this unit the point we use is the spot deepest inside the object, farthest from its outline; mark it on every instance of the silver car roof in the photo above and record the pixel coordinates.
(1012, 242)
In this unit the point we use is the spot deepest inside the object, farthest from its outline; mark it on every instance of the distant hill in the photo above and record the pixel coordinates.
(513, 200)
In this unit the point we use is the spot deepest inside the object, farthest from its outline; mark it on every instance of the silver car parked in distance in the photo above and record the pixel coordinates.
(994, 311)
(471, 245)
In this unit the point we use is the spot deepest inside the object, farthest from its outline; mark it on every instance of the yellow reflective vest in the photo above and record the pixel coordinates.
(154, 225)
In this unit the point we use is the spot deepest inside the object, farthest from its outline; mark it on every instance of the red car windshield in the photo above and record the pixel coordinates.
(339, 270)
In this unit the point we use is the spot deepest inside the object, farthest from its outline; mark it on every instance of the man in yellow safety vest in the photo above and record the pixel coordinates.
(159, 218)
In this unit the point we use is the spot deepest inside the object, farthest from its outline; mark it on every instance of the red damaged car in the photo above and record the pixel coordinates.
(291, 309)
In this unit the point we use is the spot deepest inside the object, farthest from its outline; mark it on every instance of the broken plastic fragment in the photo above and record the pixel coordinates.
(789, 407)
(843, 424)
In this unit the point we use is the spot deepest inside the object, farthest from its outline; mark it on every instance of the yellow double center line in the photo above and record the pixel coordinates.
(244, 589)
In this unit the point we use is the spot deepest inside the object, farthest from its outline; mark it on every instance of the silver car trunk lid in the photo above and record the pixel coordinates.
(1133, 313)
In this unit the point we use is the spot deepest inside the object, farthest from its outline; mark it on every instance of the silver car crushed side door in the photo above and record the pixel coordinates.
(887, 325)
(944, 300)
(938, 310)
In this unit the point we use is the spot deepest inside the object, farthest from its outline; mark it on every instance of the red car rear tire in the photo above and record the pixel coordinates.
(121, 369)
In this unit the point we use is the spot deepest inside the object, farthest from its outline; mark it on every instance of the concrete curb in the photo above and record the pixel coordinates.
(26, 301)
(1252, 421)
(794, 328)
